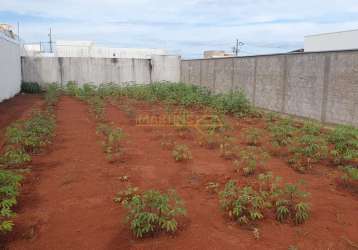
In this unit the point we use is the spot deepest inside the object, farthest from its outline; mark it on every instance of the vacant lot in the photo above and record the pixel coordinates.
(109, 139)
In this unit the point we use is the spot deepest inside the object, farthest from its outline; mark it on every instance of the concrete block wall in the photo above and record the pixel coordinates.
(321, 86)
(100, 70)
(165, 68)
(10, 67)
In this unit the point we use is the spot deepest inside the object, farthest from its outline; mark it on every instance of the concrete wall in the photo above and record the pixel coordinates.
(10, 67)
(100, 70)
(165, 68)
(322, 86)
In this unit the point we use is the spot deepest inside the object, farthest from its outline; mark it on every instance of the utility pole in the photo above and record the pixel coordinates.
(18, 31)
(50, 36)
(236, 48)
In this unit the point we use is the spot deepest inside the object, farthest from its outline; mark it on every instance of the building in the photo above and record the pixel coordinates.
(343, 40)
(216, 54)
(8, 30)
(87, 49)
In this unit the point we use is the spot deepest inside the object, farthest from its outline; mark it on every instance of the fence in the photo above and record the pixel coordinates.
(321, 86)
(10, 67)
(100, 70)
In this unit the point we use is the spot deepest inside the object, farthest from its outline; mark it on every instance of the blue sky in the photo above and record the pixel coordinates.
(186, 27)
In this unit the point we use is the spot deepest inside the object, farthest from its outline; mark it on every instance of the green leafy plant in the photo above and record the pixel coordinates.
(52, 94)
(72, 89)
(181, 152)
(125, 196)
(271, 117)
(30, 87)
(282, 132)
(253, 136)
(250, 159)
(32, 134)
(14, 157)
(248, 204)
(23, 138)
(112, 142)
(244, 205)
(212, 187)
(228, 149)
(311, 128)
(307, 150)
(9, 190)
(349, 178)
(350, 173)
(345, 141)
(269, 186)
(234, 103)
(97, 106)
(291, 204)
(152, 211)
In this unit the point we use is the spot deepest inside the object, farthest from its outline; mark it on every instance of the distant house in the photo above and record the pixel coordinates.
(7, 30)
(216, 54)
(342, 40)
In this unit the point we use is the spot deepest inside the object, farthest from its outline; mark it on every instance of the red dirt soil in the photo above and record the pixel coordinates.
(67, 202)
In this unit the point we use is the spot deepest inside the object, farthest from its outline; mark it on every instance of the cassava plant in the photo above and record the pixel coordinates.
(181, 152)
(9, 190)
(307, 150)
(52, 94)
(97, 107)
(253, 136)
(349, 178)
(14, 157)
(291, 204)
(269, 186)
(243, 204)
(152, 211)
(248, 204)
(250, 160)
(112, 141)
(345, 141)
(228, 149)
(282, 132)
(311, 128)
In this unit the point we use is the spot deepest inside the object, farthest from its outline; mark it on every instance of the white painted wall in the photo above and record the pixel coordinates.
(344, 40)
(10, 67)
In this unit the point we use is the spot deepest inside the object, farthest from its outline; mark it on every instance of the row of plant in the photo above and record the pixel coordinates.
(95, 97)
(153, 211)
(306, 144)
(22, 140)
(173, 93)
(248, 204)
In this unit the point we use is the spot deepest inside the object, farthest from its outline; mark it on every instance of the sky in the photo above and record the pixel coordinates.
(186, 27)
